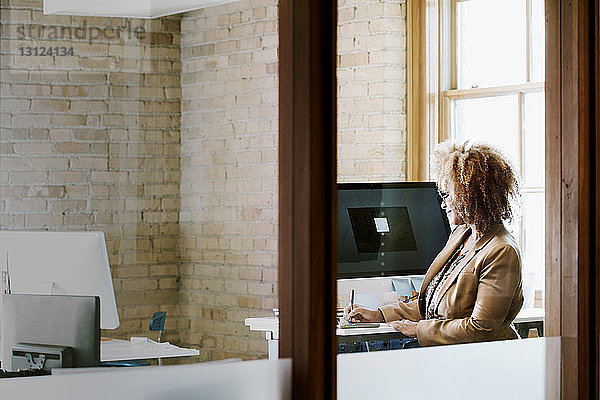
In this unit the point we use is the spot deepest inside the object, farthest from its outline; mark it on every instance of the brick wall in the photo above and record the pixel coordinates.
(229, 183)
(91, 142)
(371, 90)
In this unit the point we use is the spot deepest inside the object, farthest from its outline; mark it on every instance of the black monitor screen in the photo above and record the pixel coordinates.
(389, 229)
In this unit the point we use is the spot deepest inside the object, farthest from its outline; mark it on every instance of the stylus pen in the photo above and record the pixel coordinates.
(351, 303)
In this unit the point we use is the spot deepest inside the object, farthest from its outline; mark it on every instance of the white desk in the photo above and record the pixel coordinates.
(381, 330)
(117, 350)
(353, 335)
(270, 325)
(530, 315)
(530, 318)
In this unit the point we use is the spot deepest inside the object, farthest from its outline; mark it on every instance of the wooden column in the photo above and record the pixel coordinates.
(572, 191)
(595, 372)
(596, 248)
(423, 84)
(416, 104)
(307, 196)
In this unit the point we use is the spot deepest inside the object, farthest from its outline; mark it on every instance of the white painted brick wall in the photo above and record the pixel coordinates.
(229, 127)
(371, 90)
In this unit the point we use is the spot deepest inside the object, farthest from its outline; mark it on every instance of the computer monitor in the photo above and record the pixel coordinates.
(72, 321)
(62, 263)
(389, 229)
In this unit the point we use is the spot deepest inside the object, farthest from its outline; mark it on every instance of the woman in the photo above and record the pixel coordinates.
(472, 291)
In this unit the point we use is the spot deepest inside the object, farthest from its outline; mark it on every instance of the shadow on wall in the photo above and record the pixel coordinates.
(90, 141)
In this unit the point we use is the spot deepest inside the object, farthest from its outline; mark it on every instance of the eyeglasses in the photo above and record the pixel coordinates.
(443, 195)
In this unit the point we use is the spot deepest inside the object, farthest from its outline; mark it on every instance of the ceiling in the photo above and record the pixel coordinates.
(126, 8)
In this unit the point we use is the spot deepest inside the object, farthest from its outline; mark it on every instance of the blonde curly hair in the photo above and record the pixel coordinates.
(483, 182)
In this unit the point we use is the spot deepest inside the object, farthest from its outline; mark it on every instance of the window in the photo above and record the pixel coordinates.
(495, 94)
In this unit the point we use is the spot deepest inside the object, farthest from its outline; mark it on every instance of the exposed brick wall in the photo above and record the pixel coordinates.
(91, 142)
(371, 90)
(229, 176)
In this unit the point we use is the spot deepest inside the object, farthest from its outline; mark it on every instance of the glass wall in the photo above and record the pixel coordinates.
(161, 133)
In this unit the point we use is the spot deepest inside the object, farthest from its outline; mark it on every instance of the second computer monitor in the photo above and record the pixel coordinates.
(72, 321)
(389, 229)
(60, 263)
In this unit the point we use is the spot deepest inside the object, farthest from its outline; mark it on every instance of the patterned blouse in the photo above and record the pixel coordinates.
(438, 280)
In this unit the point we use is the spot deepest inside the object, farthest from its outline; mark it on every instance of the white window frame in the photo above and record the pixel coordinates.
(448, 84)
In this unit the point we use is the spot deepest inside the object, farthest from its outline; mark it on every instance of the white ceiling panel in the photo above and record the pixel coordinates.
(126, 8)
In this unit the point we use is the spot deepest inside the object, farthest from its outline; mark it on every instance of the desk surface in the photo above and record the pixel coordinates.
(530, 315)
(271, 324)
(117, 350)
(382, 329)
(352, 335)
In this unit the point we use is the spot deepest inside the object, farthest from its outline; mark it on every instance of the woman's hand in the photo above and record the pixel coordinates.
(361, 314)
(406, 327)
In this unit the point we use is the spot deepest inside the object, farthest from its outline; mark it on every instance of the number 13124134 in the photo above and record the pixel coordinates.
(46, 51)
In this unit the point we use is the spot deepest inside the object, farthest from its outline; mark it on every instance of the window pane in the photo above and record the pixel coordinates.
(491, 43)
(533, 227)
(533, 123)
(493, 120)
(537, 40)
(514, 226)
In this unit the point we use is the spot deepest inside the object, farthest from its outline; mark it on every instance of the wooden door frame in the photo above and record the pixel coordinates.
(596, 57)
(572, 169)
(307, 194)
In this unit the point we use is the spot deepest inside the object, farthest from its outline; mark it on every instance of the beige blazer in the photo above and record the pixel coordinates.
(480, 298)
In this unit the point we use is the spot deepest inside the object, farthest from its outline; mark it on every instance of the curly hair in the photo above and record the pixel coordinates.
(482, 179)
